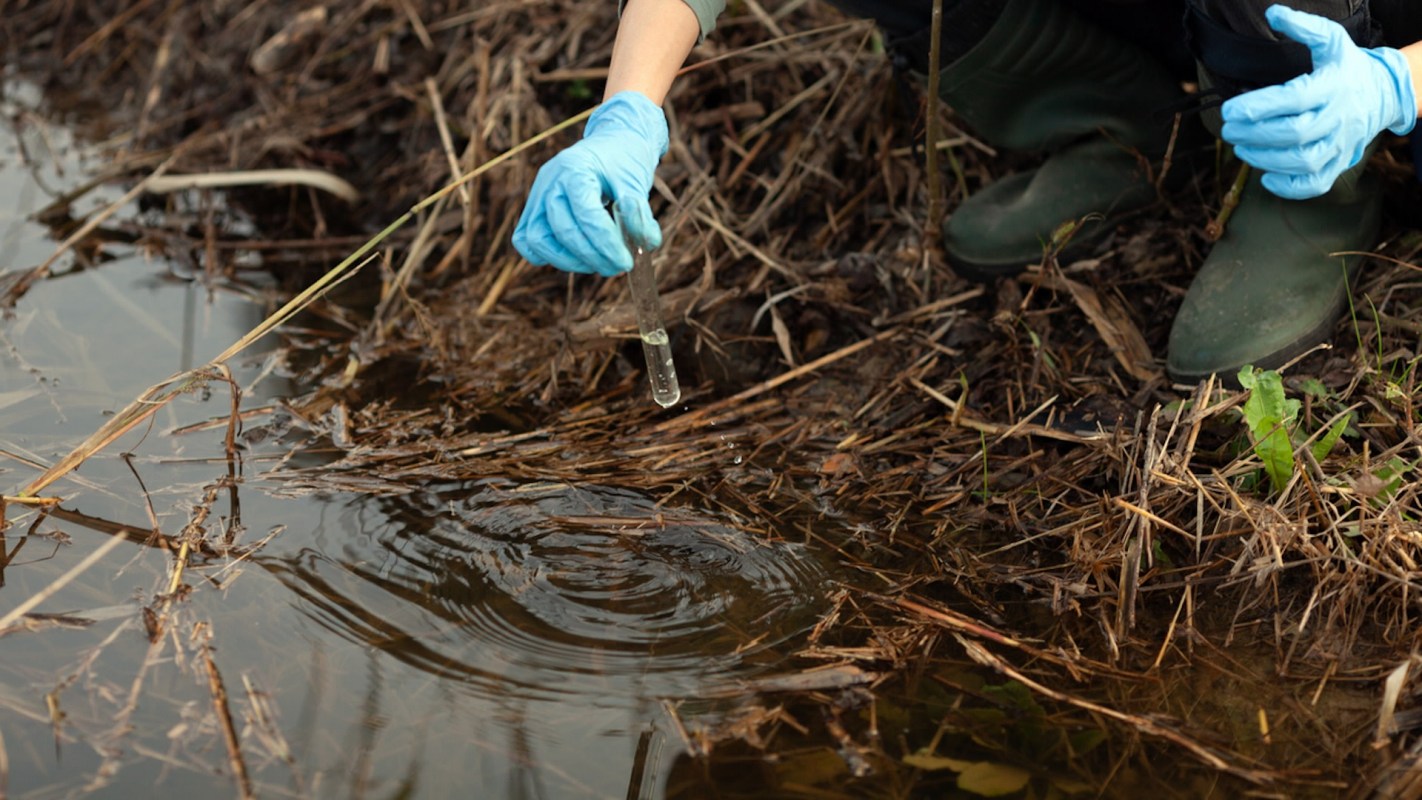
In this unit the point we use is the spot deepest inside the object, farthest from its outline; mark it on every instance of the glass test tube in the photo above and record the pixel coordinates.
(656, 345)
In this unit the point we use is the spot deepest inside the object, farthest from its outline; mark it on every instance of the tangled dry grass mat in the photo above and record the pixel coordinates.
(1031, 499)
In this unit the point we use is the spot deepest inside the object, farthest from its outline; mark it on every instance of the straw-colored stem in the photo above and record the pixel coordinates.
(315, 178)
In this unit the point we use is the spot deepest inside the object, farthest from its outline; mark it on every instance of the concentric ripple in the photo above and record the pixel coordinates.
(560, 588)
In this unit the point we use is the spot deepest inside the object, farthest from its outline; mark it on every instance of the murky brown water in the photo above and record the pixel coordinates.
(492, 640)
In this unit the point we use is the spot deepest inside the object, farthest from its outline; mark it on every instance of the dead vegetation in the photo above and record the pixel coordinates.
(1033, 504)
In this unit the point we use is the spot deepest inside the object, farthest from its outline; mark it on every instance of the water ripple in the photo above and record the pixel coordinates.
(558, 588)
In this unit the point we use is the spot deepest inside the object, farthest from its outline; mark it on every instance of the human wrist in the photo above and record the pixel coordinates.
(654, 38)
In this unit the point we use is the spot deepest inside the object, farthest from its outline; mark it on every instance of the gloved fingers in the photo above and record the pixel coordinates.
(577, 231)
(524, 232)
(1308, 185)
(565, 223)
(609, 253)
(1328, 43)
(1297, 187)
(543, 249)
(1301, 95)
(532, 223)
(534, 237)
(1324, 38)
(1298, 160)
(636, 215)
(1283, 131)
(534, 240)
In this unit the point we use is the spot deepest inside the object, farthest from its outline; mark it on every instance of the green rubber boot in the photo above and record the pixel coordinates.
(1041, 79)
(1270, 290)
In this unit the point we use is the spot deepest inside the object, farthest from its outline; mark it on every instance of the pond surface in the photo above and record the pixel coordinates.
(497, 639)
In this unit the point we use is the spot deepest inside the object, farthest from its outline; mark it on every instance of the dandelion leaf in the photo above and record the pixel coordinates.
(1270, 416)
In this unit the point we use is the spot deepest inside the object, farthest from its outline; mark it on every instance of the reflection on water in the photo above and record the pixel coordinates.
(555, 589)
(544, 625)
(498, 640)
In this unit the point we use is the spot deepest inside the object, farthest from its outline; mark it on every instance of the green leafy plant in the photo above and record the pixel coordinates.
(1272, 420)
(1269, 415)
(1389, 476)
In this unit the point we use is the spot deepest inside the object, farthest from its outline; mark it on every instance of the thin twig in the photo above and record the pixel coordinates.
(1215, 229)
(229, 729)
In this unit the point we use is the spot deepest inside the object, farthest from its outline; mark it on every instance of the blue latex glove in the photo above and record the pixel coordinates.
(565, 222)
(1308, 131)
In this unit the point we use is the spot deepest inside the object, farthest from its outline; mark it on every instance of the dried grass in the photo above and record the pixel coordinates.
(1011, 450)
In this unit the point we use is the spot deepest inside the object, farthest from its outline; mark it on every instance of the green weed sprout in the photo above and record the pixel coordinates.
(1272, 420)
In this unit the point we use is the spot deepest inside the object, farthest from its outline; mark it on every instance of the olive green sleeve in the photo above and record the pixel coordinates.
(706, 12)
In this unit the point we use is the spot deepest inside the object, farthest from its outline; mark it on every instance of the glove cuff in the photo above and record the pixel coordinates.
(630, 112)
(1394, 63)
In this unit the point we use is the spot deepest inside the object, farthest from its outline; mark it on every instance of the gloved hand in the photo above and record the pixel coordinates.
(1308, 131)
(565, 221)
